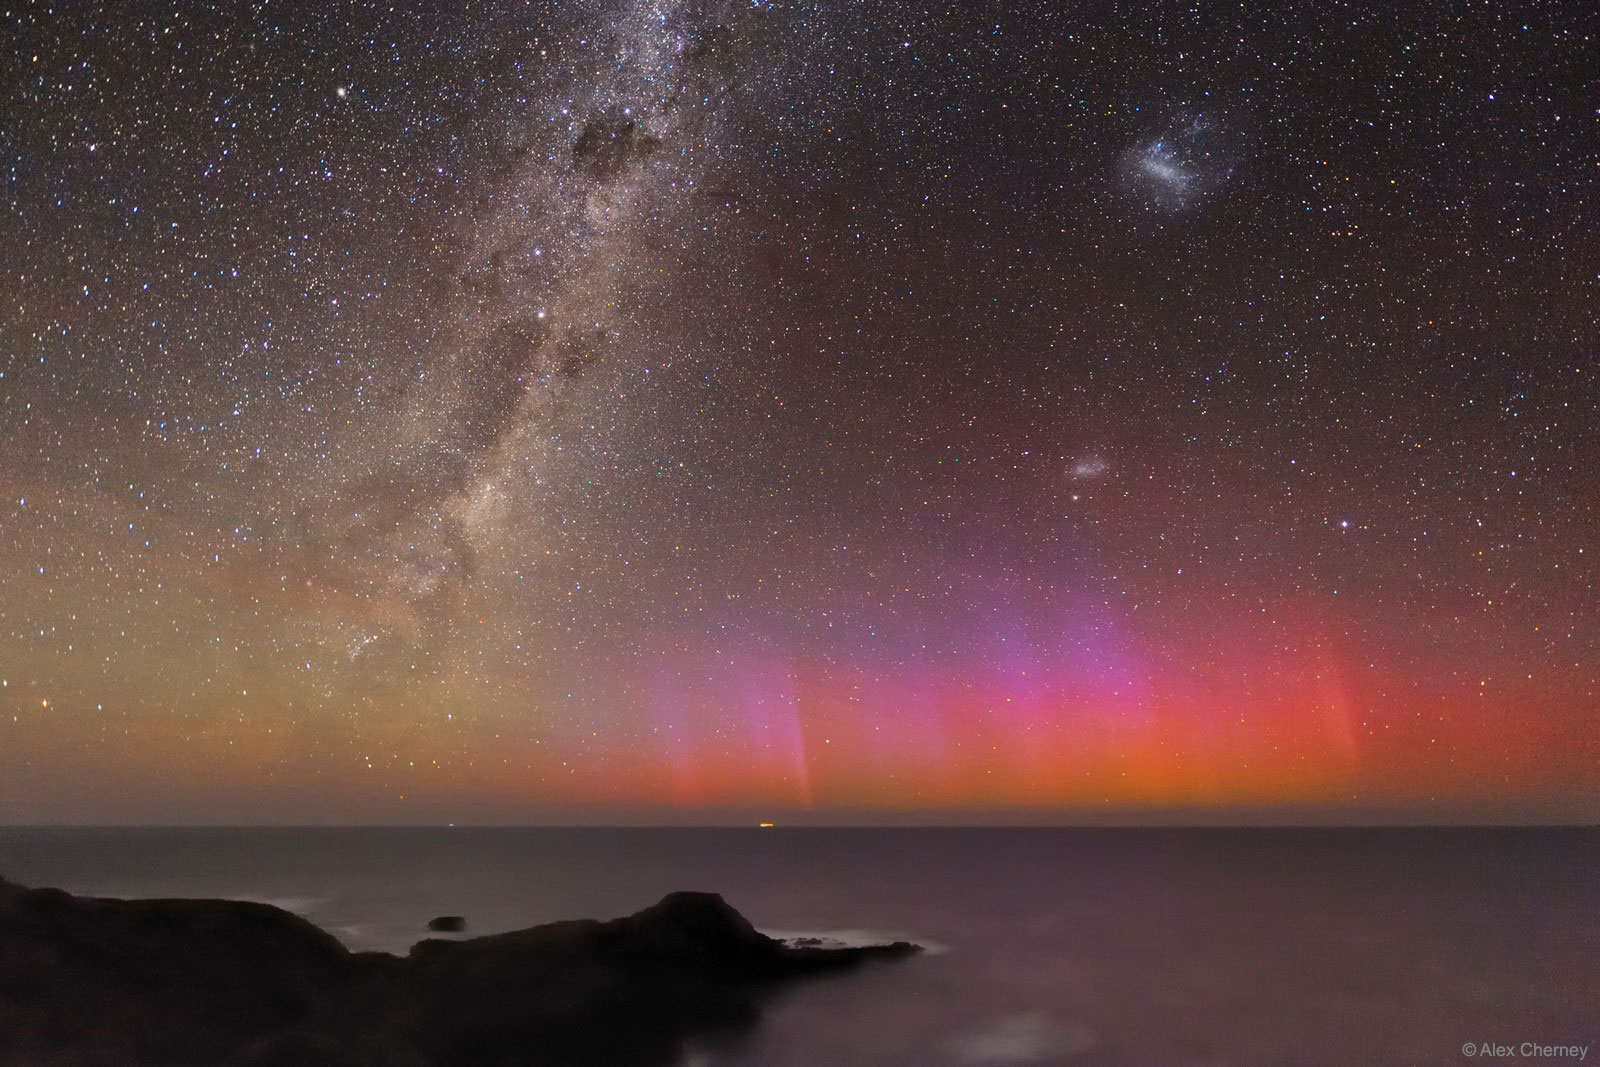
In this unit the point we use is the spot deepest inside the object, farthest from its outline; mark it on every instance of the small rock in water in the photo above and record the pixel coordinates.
(449, 924)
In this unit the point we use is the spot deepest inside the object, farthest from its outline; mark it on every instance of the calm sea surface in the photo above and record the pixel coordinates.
(1070, 946)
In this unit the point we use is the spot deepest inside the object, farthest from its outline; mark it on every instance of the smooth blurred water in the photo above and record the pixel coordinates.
(1071, 946)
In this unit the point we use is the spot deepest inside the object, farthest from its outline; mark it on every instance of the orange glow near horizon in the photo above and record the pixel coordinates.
(1237, 723)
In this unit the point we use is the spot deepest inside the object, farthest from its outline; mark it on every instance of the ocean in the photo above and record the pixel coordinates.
(1148, 947)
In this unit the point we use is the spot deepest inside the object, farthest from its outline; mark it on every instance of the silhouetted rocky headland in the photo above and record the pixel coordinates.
(175, 982)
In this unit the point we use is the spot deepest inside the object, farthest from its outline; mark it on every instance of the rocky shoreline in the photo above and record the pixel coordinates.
(103, 982)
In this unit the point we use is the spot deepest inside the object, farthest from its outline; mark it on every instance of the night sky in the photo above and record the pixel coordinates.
(655, 411)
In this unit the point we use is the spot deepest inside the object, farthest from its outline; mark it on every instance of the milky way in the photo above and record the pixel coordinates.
(720, 411)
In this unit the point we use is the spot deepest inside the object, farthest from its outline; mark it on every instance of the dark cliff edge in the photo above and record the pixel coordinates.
(102, 982)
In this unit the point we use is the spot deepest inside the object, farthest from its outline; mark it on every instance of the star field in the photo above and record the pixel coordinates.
(655, 410)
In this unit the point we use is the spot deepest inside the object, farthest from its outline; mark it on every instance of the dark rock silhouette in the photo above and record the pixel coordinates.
(448, 924)
(175, 982)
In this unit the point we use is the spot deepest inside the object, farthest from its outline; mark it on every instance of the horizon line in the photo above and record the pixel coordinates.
(754, 826)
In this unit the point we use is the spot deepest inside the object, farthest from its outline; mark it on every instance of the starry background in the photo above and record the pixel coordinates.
(657, 411)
